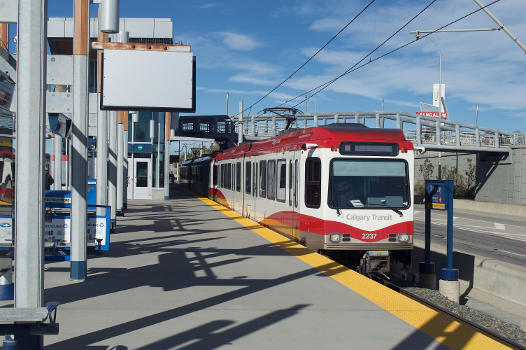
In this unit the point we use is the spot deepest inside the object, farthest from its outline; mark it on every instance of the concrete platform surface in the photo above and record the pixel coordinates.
(183, 274)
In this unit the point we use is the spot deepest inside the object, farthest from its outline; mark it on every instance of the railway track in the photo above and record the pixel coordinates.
(488, 332)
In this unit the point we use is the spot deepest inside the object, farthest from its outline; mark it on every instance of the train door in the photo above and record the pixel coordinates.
(254, 197)
(237, 197)
(292, 198)
(247, 188)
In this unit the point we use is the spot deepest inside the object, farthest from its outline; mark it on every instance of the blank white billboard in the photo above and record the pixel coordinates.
(151, 80)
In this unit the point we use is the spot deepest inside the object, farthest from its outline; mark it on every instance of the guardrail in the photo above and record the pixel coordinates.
(430, 133)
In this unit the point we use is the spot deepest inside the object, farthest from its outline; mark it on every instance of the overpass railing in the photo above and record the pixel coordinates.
(426, 132)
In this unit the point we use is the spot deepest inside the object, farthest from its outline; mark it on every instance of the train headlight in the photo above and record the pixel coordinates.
(335, 237)
(404, 237)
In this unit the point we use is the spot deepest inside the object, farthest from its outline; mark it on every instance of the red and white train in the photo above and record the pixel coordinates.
(341, 187)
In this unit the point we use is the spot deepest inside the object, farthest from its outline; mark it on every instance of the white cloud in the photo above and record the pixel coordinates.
(210, 5)
(239, 42)
(246, 78)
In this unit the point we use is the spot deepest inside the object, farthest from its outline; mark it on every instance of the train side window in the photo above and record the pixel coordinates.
(313, 182)
(296, 178)
(255, 182)
(263, 179)
(230, 180)
(248, 177)
(238, 176)
(214, 176)
(281, 190)
(271, 179)
(290, 182)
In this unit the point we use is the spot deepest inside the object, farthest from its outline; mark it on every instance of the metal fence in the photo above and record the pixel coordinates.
(426, 132)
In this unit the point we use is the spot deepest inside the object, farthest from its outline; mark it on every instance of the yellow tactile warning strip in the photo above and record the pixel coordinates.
(439, 326)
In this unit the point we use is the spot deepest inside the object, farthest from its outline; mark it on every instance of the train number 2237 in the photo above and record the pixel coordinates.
(368, 236)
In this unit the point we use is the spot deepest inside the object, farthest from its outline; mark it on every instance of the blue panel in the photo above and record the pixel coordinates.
(78, 270)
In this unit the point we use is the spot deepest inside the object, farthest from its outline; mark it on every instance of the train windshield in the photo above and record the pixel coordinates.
(368, 183)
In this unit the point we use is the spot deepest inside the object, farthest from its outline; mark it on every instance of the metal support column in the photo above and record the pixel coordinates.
(240, 124)
(102, 135)
(30, 121)
(79, 152)
(57, 152)
(125, 169)
(112, 165)
(120, 163)
(167, 119)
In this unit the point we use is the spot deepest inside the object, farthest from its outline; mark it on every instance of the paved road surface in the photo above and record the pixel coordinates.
(494, 236)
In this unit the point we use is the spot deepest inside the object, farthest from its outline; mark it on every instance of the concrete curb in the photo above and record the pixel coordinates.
(494, 277)
(489, 207)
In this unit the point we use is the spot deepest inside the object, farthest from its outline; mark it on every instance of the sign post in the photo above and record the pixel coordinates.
(439, 196)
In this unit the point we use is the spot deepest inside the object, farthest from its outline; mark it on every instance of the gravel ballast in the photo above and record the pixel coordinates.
(505, 329)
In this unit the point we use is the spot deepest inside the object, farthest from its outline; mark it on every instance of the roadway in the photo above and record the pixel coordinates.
(499, 237)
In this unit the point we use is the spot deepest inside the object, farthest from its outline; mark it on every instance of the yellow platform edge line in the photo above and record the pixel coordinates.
(439, 326)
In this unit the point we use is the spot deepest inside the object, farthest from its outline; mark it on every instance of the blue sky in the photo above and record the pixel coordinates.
(247, 47)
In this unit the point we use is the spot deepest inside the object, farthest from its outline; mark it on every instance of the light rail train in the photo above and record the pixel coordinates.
(343, 188)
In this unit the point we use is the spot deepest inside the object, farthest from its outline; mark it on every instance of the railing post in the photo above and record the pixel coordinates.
(457, 134)
(437, 132)
(325, 121)
(315, 120)
(336, 118)
(266, 127)
(305, 123)
(253, 119)
(497, 141)
(273, 126)
(356, 120)
(377, 120)
(398, 121)
(477, 137)
(418, 131)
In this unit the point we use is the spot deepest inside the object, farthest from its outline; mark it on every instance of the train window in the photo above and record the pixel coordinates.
(255, 182)
(263, 179)
(214, 175)
(313, 182)
(296, 179)
(230, 177)
(281, 190)
(271, 179)
(238, 177)
(221, 175)
(290, 183)
(248, 177)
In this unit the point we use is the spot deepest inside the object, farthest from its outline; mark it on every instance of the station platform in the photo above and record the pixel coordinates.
(190, 274)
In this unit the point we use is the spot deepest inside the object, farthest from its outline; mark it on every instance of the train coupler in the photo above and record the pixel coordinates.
(375, 261)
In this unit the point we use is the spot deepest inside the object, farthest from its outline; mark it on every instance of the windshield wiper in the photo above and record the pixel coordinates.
(396, 210)
(332, 198)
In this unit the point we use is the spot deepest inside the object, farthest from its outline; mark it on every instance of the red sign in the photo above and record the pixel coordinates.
(433, 114)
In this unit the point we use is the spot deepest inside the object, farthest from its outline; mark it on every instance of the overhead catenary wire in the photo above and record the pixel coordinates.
(357, 65)
(310, 58)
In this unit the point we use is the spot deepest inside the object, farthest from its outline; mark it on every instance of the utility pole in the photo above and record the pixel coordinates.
(227, 103)
(79, 156)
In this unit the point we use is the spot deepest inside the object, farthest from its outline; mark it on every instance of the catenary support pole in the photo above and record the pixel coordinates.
(79, 151)
(102, 134)
(240, 124)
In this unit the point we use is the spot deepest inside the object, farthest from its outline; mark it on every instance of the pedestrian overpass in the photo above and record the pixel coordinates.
(426, 133)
